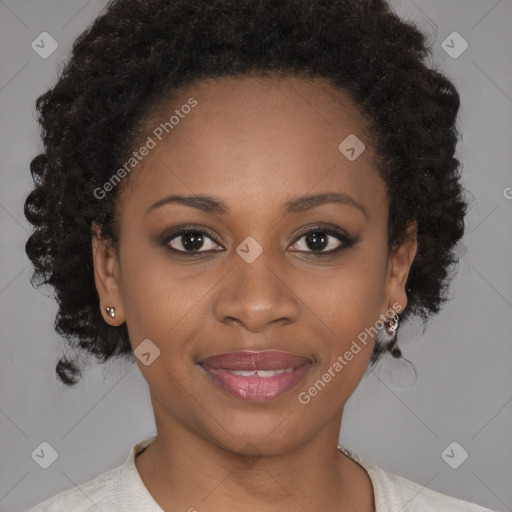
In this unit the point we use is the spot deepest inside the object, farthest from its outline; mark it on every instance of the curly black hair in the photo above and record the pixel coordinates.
(139, 52)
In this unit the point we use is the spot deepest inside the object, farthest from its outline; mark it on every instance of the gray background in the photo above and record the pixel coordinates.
(464, 387)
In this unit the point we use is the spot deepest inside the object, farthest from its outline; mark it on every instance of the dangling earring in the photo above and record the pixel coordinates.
(111, 311)
(398, 371)
(391, 329)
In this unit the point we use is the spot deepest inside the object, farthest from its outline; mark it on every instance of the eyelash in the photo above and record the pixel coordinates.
(346, 240)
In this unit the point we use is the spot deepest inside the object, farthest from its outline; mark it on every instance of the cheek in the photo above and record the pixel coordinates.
(155, 299)
(161, 307)
(347, 312)
(350, 314)
(346, 298)
(346, 305)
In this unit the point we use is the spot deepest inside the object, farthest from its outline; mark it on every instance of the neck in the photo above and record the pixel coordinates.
(184, 471)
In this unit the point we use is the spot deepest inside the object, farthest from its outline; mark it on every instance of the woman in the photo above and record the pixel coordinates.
(248, 197)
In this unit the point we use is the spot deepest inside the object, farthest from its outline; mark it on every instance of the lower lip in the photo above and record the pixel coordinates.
(254, 388)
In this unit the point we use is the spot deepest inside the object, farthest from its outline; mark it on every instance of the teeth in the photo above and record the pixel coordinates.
(268, 373)
(243, 373)
(261, 373)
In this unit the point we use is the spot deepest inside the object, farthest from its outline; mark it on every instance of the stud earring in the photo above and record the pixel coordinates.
(111, 311)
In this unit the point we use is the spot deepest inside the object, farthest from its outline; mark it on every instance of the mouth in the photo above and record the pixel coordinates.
(256, 376)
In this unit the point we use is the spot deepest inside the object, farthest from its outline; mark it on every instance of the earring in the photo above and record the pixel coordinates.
(391, 329)
(392, 324)
(111, 311)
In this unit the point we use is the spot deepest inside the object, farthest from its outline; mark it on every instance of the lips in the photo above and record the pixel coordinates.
(256, 376)
(245, 360)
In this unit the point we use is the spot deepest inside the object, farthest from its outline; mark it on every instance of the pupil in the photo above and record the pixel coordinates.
(192, 241)
(314, 238)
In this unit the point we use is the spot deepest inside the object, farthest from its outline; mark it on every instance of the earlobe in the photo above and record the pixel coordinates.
(107, 278)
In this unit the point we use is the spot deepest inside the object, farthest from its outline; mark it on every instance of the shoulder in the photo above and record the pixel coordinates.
(415, 497)
(117, 490)
(96, 494)
(394, 492)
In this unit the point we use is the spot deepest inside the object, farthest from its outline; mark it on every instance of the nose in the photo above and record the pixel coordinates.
(256, 295)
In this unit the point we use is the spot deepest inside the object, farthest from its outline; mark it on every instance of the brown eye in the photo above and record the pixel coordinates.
(317, 240)
(190, 240)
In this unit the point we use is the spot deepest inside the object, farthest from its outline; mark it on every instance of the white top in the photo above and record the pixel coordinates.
(121, 490)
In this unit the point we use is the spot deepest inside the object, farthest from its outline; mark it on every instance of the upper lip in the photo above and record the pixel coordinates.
(249, 360)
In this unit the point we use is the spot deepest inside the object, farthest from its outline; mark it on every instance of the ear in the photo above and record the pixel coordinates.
(107, 276)
(398, 270)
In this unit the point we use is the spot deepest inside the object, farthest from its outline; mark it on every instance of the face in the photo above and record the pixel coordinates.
(265, 280)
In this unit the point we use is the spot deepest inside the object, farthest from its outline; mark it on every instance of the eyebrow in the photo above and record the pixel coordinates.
(296, 205)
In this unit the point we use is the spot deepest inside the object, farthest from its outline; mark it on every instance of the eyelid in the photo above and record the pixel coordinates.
(330, 229)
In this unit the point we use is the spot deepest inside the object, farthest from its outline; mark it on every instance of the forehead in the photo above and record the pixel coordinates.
(254, 140)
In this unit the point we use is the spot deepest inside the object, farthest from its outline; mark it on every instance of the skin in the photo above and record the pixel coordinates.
(254, 143)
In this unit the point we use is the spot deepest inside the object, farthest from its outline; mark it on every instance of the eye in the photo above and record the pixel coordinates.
(192, 241)
(189, 240)
(318, 239)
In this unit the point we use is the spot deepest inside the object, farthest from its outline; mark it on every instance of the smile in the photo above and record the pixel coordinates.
(256, 376)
